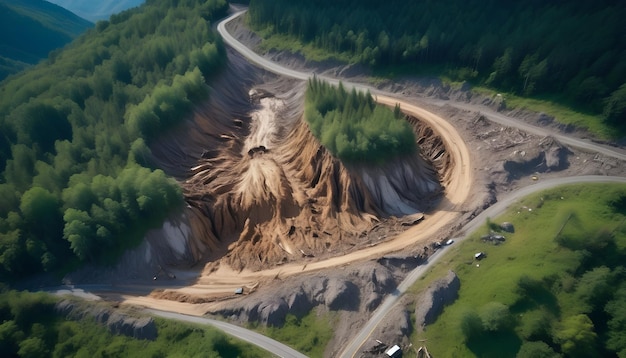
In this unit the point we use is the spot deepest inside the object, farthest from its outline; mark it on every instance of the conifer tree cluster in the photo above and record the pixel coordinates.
(353, 128)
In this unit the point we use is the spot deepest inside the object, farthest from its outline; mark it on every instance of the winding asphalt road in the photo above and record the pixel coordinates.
(353, 347)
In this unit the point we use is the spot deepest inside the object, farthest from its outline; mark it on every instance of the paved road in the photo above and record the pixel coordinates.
(259, 340)
(353, 347)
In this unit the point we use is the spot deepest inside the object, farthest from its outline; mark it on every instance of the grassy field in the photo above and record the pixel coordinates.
(532, 251)
(309, 335)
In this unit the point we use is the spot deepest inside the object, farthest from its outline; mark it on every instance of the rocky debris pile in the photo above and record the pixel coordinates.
(549, 155)
(440, 294)
(116, 322)
(493, 238)
(360, 290)
(271, 191)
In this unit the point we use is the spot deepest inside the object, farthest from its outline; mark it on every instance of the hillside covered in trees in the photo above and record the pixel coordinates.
(574, 51)
(76, 177)
(31, 29)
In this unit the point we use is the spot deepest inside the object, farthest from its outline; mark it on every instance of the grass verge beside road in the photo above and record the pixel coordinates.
(547, 280)
(309, 335)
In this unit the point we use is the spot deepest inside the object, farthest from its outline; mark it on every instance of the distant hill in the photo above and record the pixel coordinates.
(31, 29)
(97, 10)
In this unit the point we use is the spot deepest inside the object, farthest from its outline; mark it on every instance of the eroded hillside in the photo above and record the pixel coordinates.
(262, 190)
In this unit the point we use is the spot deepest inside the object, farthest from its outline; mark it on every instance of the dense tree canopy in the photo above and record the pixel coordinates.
(76, 176)
(352, 127)
(574, 49)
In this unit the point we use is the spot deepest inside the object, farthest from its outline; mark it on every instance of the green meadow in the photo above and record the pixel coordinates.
(555, 287)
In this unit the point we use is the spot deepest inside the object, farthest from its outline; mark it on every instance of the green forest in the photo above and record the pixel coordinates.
(353, 127)
(30, 327)
(77, 182)
(31, 29)
(573, 51)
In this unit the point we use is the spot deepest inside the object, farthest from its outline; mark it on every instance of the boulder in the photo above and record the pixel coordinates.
(342, 294)
(440, 294)
(507, 226)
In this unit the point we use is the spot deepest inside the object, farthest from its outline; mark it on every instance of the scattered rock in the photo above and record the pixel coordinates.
(493, 238)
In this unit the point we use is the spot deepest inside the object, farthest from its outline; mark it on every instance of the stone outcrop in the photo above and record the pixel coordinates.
(116, 322)
(440, 294)
(362, 290)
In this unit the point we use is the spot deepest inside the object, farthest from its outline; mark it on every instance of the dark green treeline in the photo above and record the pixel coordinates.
(76, 178)
(574, 50)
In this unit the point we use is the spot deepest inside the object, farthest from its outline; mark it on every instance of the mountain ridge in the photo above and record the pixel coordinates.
(94, 11)
(33, 28)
